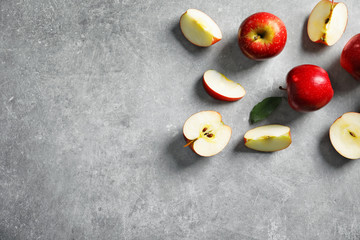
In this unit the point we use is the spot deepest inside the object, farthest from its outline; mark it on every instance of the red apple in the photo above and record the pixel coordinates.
(308, 88)
(350, 57)
(262, 36)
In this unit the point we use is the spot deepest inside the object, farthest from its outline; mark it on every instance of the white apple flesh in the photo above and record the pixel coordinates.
(327, 22)
(206, 134)
(345, 135)
(222, 88)
(268, 138)
(199, 28)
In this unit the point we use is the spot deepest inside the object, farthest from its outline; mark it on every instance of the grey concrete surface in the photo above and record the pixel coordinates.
(93, 96)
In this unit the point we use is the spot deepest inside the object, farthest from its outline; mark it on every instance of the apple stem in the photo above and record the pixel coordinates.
(332, 5)
(281, 88)
(189, 143)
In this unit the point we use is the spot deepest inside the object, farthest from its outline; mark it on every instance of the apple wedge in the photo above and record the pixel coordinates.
(199, 28)
(345, 135)
(222, 88)
(327, 22)
(206, 134)
(268, 138)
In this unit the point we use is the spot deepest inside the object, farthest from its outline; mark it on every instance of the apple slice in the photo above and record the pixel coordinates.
(199, 28)
(268, 138)
(345, 135)
(327, 22)
(222, 88)
(206, 134)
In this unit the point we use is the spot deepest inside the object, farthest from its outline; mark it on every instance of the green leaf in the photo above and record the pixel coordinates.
(264, 108)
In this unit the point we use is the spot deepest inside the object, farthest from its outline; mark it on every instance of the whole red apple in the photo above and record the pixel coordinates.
(350, 57)
(262, 36)
(308, 88)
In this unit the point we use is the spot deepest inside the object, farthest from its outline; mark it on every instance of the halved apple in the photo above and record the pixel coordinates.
(268, 138)
(327, 22)
(345, 135)
(206, 134)
(222, 88)
(199, 28)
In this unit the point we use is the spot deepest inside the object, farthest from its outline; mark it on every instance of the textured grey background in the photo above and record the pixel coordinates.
(93, 96)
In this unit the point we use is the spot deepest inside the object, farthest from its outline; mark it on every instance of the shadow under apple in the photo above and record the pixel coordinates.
(191, 48)
(284, 114)
(307, 44)
(329, 154)
(182, 156)
(232, 60)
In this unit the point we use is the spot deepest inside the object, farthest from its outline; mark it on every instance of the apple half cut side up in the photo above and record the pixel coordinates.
(206, 134)
(220, 87)
(199, 28)
(268, 138)
(327, 22)
(345, 135)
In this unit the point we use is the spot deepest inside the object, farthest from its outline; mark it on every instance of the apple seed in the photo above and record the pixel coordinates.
(352, 134)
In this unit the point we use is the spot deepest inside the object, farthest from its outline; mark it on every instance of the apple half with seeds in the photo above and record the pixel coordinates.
(206, 134)
(268, 138)
(222, 88)
(327, 22)
(345, 135)
(199, 28)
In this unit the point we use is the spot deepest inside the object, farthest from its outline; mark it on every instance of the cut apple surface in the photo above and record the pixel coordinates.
(206, 134)
(268, 138)
(199, 28)
(222, 88)
(345, 135)
(327, 22)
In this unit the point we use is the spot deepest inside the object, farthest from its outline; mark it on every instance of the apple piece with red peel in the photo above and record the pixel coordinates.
(327, 22)
(262, 36)
(350, 57)
(308, 88)
(222, 88)
(345, 135)
(206, 134)
(268, 138)
(199, 28)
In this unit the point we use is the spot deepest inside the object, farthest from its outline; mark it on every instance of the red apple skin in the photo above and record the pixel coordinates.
(308, 88)
(254, 36)
(350, 57)
(217, 95)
